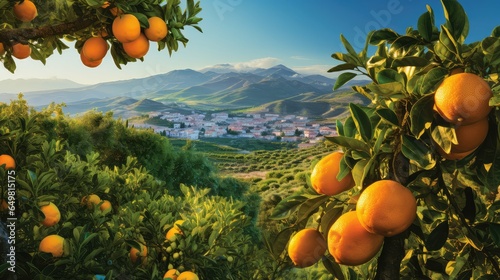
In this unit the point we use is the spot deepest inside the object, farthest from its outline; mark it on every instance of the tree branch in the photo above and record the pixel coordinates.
(23, 35)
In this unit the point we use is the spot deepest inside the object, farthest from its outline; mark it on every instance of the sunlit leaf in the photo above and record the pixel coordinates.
(425, 25)
(342, 67)
(349, 143)
(343, 78)
(417, 151)
(383, 35)
(388, 115)
(421, 115)
(362, 122)
(285, 207)
(456, 19)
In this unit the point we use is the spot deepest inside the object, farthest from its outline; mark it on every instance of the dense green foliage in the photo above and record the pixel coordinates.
(150, 183)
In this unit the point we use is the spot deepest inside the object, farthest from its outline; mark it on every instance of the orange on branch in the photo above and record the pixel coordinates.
(51, 213)
(90, 200)
(137, 48)
(463, 99)
(126, 28)
(7, 161)
(89, 63)
(324, 176)
(25, 11)
(136, 254)
(21, 51)
(306, 247)
(188, 275)
(53, 244)
(470, 136)
(350, 243)
(172, 274)
(95, 48)
(386, 207)
(157, 29)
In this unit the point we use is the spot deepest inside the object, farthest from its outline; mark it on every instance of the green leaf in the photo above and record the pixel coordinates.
(495, 233)
(388, 89)
(496, 32)
(490, 45)
(456, 19)
(310, 206)
(350, 143)
(437, 238)
(348, 46)
(389, 116)
(334, 268)
(349, 127)
(426, 24)
(444, 136)
(421, 115)
(332, 213)
(432, 79)
(447, 40)
(402, 45)
(389, 76)
(88, 239)
(417, 151)
(382, 35)
(286, 206)
(416, 61)
(281, 240)
(362, 122)
(340, 127)
(343, 78)
(342, 67)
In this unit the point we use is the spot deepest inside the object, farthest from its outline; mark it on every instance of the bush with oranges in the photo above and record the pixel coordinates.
(411, 191)
(79, 218)
(122, 28)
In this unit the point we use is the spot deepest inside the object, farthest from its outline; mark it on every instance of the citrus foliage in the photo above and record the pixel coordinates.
(47, 29)
(401, 137)
(218, 235)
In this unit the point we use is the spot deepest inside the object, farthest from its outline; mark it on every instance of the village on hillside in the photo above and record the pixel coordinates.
(265, 126)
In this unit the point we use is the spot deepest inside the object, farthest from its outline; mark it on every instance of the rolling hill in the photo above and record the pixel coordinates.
(277, 89)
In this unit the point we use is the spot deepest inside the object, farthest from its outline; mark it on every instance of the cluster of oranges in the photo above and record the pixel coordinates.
(54, 244)
(126, 29)
(462, 100)
(24, 11)
(385, 208)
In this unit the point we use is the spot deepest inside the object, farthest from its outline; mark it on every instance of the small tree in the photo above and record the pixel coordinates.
(401, 137)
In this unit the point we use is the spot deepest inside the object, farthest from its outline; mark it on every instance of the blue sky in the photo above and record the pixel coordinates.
(261, 33)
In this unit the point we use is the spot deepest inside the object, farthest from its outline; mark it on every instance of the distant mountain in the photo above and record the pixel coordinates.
(280, 87)
(15, 86)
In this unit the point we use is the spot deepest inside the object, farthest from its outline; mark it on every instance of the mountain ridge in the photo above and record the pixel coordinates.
(280, 87)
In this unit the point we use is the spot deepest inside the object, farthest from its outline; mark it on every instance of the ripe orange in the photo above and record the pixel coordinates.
(25, 11)
(95, 48)
(188, 275)
(4, 205)
(90, 200)
(386, 207)
(8, 160)
(463, 98)
(89, 63)
(470, 136)
(324, 176)
(53, 244)
(453, 156)
(126, 28)
(171, 233)
(171, 274)
(135, 254)
(2, 49)
(306, 247)
(21, 51)
(157, 29)
(137, 48)
(105, 206)
(52, 214)
(350, 243)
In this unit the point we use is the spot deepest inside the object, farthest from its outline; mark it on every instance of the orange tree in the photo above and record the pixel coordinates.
(43, 27)
(432, 126)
